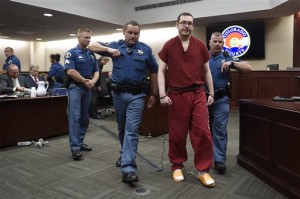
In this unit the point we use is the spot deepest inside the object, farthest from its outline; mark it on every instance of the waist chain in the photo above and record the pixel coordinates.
(186, 89)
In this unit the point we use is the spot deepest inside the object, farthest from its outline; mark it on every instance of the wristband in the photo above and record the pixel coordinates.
(210, 95)
(163, 97)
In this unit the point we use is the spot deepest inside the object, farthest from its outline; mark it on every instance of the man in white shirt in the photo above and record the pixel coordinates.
(33, 78)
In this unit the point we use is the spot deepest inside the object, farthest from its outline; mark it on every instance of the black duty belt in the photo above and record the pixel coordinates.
(142, 87)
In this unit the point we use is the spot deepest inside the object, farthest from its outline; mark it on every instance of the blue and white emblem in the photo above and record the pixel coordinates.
(236, 40)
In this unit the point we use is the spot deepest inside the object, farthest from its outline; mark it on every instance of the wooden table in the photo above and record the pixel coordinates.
(270, 143)
(27, 119)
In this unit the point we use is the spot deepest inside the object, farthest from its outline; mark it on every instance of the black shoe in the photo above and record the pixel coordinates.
(130, 177)
(86, 147)
(76, 155)
(220, 167)
(118, 163)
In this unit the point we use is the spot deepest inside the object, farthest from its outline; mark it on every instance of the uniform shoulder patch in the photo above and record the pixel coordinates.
(68, 54)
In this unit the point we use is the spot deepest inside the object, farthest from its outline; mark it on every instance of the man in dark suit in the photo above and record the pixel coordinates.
(33, 78)
(11, 82)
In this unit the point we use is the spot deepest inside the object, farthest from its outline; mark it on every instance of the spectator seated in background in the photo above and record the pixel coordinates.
(33, 78)
(12, 82)
(56, 75)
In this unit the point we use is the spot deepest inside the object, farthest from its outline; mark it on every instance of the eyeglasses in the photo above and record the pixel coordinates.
(184, 23)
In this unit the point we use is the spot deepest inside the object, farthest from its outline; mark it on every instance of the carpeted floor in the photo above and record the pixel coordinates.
(50, 172)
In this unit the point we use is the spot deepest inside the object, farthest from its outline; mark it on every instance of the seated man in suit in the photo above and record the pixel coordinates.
(12, 82)
(33, 78)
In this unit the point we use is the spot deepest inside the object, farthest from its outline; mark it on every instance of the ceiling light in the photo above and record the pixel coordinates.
(48, 15)
(119, 29)
(72, 35)
(4, 37)
(39, 39)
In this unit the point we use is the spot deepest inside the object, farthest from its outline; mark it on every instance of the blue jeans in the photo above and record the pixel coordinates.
(129, 110)
(219, 115)
(78, 106)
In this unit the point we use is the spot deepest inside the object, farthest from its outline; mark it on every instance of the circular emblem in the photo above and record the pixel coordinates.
(68, 55)
(236, 40)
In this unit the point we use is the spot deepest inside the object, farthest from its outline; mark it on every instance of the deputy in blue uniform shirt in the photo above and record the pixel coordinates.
(132, 60)
(82, 69)
(10, 59)
(220, 64)
(56, 73)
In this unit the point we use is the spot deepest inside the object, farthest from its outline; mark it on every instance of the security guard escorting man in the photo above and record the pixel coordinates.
(220, 64)
(131, 62)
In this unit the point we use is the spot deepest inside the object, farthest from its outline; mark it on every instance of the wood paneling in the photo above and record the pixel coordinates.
(27, 119)
(269, 143)
(264, 84)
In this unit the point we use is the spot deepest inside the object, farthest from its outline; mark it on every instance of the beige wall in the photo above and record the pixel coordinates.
(278, 45)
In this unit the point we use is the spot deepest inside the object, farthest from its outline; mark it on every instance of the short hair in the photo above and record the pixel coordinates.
(56, 57)
(217, 34)
(10, 48)
(184, 14)
(81, 30)
(134, 23)
(12, 65)
(32, 66)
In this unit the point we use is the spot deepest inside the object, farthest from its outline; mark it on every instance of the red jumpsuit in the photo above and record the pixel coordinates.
(188, 112)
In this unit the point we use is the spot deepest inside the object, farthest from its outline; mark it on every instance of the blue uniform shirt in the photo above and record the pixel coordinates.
(220, 79)
(83, 61)
(133, 64)
(12, 60)
(56, 70)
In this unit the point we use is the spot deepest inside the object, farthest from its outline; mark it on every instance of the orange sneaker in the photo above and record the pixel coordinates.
(206, 179)
(178, 175)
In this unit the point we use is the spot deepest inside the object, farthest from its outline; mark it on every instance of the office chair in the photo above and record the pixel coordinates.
(105, 98)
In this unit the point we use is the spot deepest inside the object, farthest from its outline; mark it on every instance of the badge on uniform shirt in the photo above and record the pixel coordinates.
(140, 52)
(67, 61)
(68, 54)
